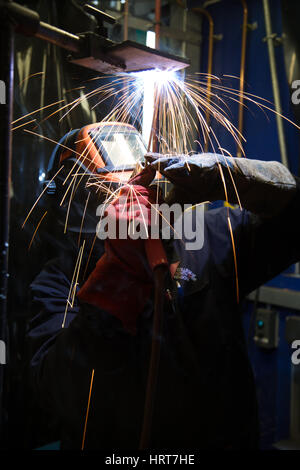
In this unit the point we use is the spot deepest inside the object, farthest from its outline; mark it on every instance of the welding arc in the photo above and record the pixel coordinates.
(159, 278)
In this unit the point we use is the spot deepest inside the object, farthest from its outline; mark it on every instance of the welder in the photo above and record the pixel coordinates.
(205, 394)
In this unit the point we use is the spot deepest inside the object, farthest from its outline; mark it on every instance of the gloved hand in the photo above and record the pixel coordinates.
(261, 187)
(122, 280)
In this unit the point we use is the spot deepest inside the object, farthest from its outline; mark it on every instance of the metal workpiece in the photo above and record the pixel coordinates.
(275, 84)
(91, 54)
(91, 50)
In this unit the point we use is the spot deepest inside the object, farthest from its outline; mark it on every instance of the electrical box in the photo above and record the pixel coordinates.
(266, 328)
(292, 328)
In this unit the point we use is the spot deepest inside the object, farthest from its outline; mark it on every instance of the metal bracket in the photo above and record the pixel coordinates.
(252, 26)
(89, 49)
(278, 40)
(218, 37)
(210, 2)
(92, 54)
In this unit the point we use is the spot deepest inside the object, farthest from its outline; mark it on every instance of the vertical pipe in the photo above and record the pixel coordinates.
(183, 4)
(242, 77)
(6, 110)
(155, 125)
(125, 25)
(184, 27)
(157, 22)
(275, 85)
(204, 12)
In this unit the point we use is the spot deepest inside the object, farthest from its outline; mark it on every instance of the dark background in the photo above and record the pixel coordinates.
(22, 428)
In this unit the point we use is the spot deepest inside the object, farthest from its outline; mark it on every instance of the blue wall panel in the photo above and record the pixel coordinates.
(260, 130)
(272, 369)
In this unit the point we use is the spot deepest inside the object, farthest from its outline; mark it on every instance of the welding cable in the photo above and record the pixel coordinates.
(159, 274)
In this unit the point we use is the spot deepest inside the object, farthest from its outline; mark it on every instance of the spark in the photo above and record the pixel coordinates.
(40, 196)
(83, 216)
(22, 125)
(235, 259)
(74, 284)
(89, 257)
(51, 140)
(70, 200)
(30, 76)
(34, 233)
(87, 410)
(36, 111)
(183, 107)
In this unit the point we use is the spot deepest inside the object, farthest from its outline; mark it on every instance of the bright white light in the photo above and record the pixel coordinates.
(148, 110)
(159, 77)
(113, 146)
(148, 105)
(42, 176)
(151, 78)
(150, 39)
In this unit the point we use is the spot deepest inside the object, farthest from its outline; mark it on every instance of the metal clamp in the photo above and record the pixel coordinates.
(278, 40)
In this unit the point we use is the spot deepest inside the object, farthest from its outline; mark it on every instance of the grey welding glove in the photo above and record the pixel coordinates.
(264, 188)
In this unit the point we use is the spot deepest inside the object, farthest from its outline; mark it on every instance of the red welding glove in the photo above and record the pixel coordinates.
(122, 280)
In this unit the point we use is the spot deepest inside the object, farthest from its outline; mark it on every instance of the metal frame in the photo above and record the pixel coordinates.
(285, 298)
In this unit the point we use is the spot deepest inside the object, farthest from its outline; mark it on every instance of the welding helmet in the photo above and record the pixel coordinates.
(110, 151)
(85, 165)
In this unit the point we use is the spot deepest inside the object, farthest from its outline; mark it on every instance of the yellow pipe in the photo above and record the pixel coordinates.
(157, 23)
(242, 75)
(204, 12)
